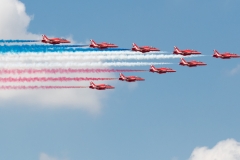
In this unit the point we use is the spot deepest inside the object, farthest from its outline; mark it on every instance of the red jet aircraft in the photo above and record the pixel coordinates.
(160, 70)
(143, 49)
(54, 40)
(100, 86)
(225, 55)
(130, 78)
(191, 63)
(102, 45)
(185, 52)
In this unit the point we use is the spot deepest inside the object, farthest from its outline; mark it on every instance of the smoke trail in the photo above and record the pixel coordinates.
(63, 71)
(87, 53)
(52, 79)
(76, 64)
(17, 41)
(42, 46)
(58, 46)
(45, 48)
(88, 57)
(39, 87)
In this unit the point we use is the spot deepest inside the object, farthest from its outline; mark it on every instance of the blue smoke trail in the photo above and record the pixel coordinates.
(17, 41)
(44, 46)
(65, 46)
(16, 49)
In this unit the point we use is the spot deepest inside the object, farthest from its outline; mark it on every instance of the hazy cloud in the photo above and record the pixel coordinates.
(13, 25)
(44, 156)
(235, 70)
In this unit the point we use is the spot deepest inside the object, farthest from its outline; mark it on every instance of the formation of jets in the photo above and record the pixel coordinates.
(144, 49)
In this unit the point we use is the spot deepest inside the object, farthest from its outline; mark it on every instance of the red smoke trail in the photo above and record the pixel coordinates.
(62, 71)
(53, 79)
(39, 87)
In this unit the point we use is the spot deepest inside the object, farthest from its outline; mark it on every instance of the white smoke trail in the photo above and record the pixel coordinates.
(87, 57)
(76, 64)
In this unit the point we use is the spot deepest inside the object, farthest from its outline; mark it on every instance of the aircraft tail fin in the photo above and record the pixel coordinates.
(216, 53)
(176, 49)
(153, 68)
(45, 38)
(122, 76)
(183, 61)
(93, 43)
(92, 84)
(135, 46)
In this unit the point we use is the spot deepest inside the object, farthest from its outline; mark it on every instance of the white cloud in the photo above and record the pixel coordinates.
(225, 150)
(13, 25)
(235, 70)
(14, 20)
(174, 158)
(44, 156)
(132, 85)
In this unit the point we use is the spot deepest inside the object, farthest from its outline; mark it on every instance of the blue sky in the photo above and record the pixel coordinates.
(166, 116)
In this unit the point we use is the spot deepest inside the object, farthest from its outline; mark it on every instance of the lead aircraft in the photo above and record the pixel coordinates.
(103, 45)
(185, 52)
(144, 49)
(130, 78)
(100, 86)
(226, 55)
(160, 70)
(183, 62)
(53, 40)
